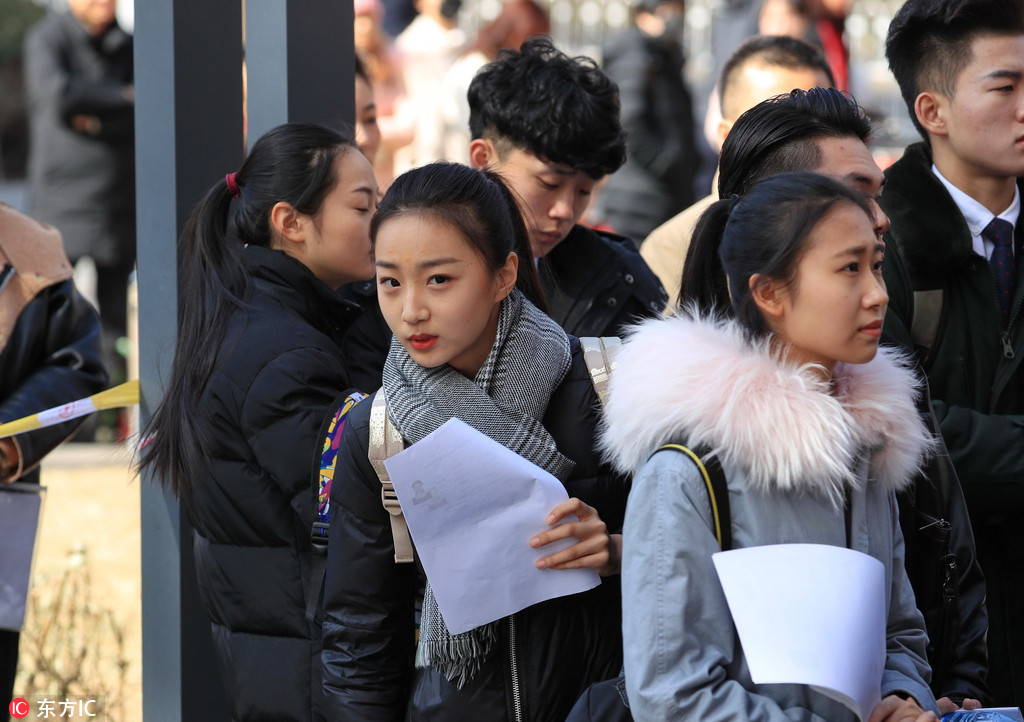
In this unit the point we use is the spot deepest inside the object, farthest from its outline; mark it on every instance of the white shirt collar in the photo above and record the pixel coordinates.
(977, 215)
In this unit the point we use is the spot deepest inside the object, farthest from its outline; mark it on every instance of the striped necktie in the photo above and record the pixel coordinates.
(1000, 233)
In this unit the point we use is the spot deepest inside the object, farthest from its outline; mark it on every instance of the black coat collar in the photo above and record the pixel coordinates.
(932, 232)
(287, 280)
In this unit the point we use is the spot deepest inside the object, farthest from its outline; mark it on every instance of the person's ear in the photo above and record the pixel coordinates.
(482, 153)
(507, 275)
(288, 223)
(767, 294)
(724, 126)
(930, 109)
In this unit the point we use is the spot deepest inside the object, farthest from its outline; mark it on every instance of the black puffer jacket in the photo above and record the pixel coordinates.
(597, 283)
(557, 647)
(279, 373)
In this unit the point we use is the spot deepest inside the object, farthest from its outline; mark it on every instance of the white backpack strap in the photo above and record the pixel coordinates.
(600, 355)
(385, 442)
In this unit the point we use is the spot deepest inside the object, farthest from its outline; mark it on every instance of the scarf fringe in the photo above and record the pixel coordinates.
(459, 657)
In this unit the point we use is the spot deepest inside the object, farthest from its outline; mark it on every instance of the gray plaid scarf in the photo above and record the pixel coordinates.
(506, 401)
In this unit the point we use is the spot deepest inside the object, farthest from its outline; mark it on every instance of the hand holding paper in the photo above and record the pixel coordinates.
(595, 548)
(472, 506)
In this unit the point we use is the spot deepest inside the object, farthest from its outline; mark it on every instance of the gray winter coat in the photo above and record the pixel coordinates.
(791, 453)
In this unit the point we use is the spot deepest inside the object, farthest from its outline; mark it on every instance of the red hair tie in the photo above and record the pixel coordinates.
(232, 184)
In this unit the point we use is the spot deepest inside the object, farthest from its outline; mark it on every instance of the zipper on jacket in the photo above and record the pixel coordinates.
(1007, 348)
(517, 698)
(1005, 336)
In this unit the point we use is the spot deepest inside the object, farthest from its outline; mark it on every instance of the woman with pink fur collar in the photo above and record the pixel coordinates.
(814, 426)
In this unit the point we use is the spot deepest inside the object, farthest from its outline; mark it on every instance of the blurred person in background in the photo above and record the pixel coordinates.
(784, 17)
(383, 65)
(829, 33)
(657, 181)
(518, 21)
(367, 131)
(78, 81)
(429, 46)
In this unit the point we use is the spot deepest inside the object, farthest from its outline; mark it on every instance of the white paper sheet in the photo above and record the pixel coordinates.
(472, 506)
(810, 614)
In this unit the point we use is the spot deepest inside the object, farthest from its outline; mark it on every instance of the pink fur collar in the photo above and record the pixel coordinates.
(699, 381)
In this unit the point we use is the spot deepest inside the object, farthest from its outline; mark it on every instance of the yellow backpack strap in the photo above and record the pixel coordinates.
(600, 356)
(385, 442)
(718, 492)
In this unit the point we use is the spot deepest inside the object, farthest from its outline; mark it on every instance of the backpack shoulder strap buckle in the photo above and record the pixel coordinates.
(385, 442)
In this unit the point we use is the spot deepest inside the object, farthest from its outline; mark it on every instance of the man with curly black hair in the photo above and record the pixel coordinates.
(549, 124)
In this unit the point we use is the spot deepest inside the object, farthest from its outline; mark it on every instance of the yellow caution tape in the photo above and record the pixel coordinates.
(126, 394)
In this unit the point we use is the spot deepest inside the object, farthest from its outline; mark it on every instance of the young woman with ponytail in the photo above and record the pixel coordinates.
(258, 364)
(458, 287)
(773, 366)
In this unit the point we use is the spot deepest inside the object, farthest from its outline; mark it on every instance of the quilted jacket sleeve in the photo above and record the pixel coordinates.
(368, 633)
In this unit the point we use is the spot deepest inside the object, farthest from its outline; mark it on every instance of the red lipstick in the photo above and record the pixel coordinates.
(422, 341)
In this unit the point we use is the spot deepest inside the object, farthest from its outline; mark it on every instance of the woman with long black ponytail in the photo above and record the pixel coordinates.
(258, 365)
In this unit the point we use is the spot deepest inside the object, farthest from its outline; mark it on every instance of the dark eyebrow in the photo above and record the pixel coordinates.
(1003, 73)
(857, 250)
(431, 263)
(365, 189)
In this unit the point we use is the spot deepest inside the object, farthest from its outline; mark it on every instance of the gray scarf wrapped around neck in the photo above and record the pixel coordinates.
(506, 401)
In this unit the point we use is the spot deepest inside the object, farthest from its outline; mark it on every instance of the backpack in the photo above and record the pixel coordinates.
(606, 701)
(323, 475)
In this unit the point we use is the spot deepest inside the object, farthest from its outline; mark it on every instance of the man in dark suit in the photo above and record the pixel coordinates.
(954, 202)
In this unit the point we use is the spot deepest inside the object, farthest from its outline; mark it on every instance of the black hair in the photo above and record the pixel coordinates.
(772, 50)
(478, 204)
(561, 109)
(929, 42)
(764, 232)
(293, 163)
(361, 69)
(775, 136)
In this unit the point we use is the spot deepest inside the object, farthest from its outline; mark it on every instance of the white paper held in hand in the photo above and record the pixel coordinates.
(472, 506)
(810, 614)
